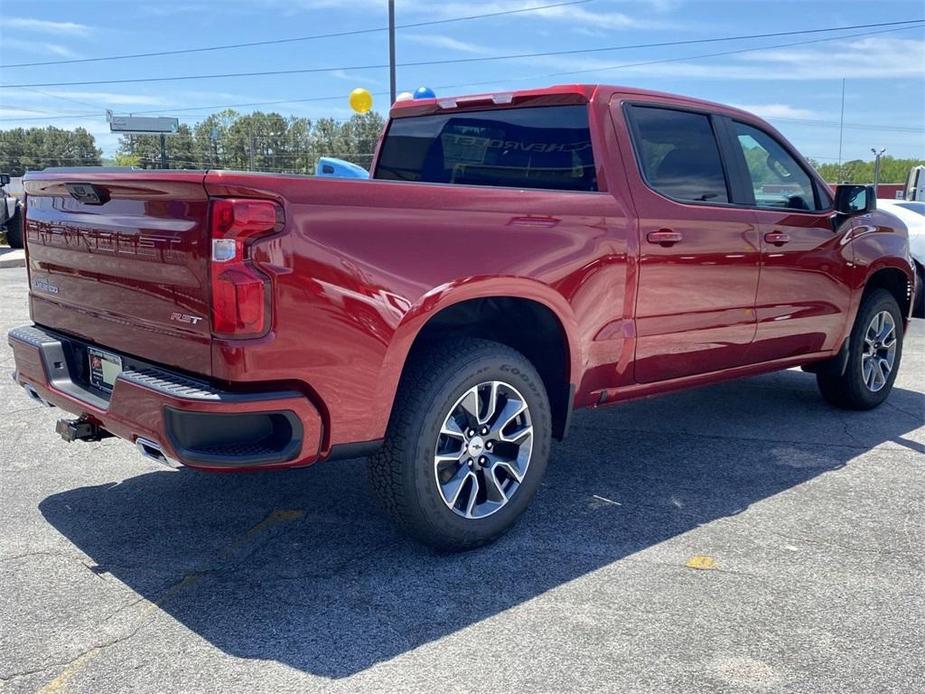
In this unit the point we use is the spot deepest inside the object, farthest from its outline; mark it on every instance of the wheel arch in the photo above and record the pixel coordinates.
(469, 307)
(897, 279)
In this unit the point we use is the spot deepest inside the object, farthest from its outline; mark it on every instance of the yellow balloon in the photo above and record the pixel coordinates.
(361, 100)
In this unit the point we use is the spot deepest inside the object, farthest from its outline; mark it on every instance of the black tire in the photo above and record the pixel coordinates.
(14, 229)
(402, 474)
(848, 389)
(918, 301)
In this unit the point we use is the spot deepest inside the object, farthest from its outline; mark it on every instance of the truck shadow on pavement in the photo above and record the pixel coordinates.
(300, 568)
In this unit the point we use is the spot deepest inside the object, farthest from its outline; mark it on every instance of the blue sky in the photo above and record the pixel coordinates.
(797, 88)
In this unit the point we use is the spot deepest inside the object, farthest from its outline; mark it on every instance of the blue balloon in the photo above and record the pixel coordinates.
(424, 93)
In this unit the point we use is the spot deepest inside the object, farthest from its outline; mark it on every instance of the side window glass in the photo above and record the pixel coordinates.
(678, 154)
(777, 179)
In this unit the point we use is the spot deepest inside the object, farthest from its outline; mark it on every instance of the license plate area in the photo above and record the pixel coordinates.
(104, 368)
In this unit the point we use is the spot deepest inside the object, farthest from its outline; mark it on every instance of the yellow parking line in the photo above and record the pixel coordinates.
(65, 676)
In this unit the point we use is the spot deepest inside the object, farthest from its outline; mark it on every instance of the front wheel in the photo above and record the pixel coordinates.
(467, 445)
(874, 352)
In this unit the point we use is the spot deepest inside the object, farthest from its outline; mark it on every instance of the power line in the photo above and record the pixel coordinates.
(59, 96)
(853, 126)
(907, 24)
(294, 39)
(864, 126)
(659, 61)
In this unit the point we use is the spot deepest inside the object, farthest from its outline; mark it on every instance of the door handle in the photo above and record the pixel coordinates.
(531, 221)
(664, 237)
(777, 238)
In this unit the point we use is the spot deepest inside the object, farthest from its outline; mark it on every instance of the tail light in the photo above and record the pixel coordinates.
(241, 294)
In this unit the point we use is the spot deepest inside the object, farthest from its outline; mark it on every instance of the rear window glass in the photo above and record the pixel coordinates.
(543, 147)
(678, 154)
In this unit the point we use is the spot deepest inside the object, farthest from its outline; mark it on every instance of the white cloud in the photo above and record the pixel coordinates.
(777, 110)
(355, 78)
(112, 98)
(865, 58)
(52, 98)
(449, 43)
(575, 14)
(43, 26)
(38, 47)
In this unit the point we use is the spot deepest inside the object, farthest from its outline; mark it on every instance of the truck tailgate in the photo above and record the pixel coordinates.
(122, 260)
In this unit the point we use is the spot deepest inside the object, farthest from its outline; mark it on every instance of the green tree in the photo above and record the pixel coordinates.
(126, 160)
(147, 149)
(33, 149)
(892, 170)
(259, 141)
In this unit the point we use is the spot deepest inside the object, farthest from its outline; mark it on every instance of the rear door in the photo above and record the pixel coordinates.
(121, 260)
(699, 254)
(804, 294)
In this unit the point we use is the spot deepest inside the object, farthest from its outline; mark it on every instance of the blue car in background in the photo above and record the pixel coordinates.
(338, 168)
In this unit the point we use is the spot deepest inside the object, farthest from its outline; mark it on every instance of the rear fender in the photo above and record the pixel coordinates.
(440, 298)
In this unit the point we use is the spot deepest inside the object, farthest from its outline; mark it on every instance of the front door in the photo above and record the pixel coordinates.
(699, 255)
(803, 295)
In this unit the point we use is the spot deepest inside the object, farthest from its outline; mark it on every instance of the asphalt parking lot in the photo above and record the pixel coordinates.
(117, 574)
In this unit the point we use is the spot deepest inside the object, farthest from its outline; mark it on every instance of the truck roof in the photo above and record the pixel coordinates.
(557, 94)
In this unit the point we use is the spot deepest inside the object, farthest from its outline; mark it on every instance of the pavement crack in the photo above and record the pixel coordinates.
(839, 545)
(44, 553)
(846, 426)
(85, 654)
(330, 573)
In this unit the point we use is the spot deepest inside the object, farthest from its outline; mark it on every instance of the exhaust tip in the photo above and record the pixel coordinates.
(34, 394)
(152, 449)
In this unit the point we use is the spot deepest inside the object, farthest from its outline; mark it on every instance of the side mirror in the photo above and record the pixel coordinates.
(852, 200)
(4, 180)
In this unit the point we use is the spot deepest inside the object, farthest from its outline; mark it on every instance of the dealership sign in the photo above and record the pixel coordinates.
(153, 125)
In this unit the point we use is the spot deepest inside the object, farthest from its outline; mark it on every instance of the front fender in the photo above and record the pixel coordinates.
(877, 245)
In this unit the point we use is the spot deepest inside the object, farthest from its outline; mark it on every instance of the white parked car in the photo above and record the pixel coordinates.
(912, 214)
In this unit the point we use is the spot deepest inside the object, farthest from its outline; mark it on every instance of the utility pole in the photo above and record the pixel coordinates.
(164, 164)
(841, 129)
(877, 156)
(392, 91)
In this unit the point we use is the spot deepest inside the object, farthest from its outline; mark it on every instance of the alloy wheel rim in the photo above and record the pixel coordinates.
(483, 450)
(879, 355)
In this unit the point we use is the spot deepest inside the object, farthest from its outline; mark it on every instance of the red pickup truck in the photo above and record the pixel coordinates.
(513, 257)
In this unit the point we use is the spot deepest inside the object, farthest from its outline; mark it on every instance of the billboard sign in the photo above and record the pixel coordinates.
(152, 125)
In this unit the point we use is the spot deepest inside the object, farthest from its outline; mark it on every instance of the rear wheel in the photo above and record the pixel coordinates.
(14, 229)
(874, 352)
(467, 444)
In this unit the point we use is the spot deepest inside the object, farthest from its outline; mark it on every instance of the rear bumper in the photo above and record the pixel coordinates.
(192, 422)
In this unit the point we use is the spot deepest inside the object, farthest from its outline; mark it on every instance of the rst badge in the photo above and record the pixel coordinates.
(185, 318)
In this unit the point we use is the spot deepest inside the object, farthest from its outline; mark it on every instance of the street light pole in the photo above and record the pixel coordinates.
(841, 128)
(391, 52)
(877, 156)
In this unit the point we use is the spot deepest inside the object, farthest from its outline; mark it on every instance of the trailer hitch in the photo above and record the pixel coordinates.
(81, 429)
